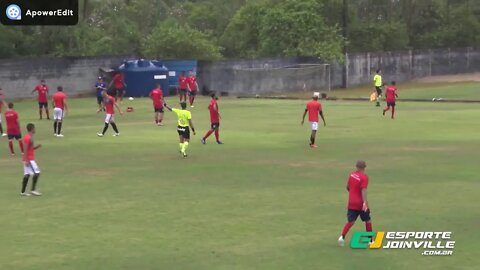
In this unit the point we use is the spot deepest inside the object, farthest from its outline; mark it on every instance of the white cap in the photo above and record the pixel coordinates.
(316, 94)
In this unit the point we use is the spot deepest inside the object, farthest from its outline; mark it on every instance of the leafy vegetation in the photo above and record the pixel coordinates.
(213, 29)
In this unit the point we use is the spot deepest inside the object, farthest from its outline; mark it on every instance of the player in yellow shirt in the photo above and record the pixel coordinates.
(378, 83)
(184, 124)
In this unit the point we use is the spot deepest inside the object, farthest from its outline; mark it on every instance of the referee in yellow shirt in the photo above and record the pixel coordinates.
(184, 124)
(377, 81)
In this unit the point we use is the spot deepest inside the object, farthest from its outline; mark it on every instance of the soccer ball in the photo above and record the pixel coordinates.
(130, 98)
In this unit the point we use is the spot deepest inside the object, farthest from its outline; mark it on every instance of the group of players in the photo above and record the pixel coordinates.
(358, 180)
(107, 102)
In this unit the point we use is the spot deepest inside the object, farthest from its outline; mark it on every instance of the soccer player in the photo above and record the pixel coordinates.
(314, 108)
(183, 87)
(214, 120)
(30, 167)
(100, 86)
(110, 105)
(13, 128)
(157, 97)
(2, 103)
(119, 84)
(391, 97)
(184, 124)
(192, 88)
(357, 200)
(59, 108)
(42, 91)
(377, 82)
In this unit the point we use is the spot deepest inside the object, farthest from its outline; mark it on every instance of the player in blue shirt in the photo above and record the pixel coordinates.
(100, 86)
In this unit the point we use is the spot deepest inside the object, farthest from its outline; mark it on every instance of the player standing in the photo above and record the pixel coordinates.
(59, 107)
(377, 81)
(119, 84)
(110, 105)
(314, 108)
(391, 97)
(30, 167)
(2, 103)
(214, 120)
(183, 87)
(13, 128)
(184, 124)
(192, 88)
(42, 91)
(100, 86)
(357, 200)
(157, 97)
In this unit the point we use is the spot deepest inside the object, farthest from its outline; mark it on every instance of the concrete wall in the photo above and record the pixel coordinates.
(77, 75)
(274, 75)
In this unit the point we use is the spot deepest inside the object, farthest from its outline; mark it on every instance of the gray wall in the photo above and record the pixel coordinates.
(77, 75)
(276, 75)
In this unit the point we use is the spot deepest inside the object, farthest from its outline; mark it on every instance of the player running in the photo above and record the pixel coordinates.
(214, 120)
(59, 100)
(377, 82)
(13, 128)
(2, 103)
(119, 84)
(42, 91)
(30, 167)
(184, 124)
(314, 108)
(183, 87)
(100, 86)
(157, 97)
(192, 88)
(391, 97)
(110, 105)
(357, 201)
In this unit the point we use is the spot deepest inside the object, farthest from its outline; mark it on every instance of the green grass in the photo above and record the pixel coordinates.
(414, 90)
(264, 200)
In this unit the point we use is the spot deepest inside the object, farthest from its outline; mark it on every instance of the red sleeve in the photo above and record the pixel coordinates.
(364, 182)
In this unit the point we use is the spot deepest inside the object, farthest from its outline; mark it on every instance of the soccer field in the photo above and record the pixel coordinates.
(263, 200)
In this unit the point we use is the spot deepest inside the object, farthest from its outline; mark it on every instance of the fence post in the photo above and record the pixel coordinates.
(430, 55)
(411, 64)
(468, 58)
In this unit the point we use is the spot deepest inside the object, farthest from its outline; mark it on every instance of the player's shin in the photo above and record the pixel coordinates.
(217, 134)
(59, 128)
(55, 125)
(1, 129)
(20, 144)
(346, 228)
(105, 128)
(35, 180)
(184, 147)
(114, 126)
(368, 226)
(25, 182)
(46, 112)
(208, 134)
(393, 112)
(10, 146)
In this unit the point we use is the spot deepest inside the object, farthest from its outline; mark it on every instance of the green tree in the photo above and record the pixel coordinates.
(171, 39)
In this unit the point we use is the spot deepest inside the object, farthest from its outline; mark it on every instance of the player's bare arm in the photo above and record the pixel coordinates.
(190, 122)
(166, 106)
(303, 117)
(364, 198)
(37, 146)
(323, 118)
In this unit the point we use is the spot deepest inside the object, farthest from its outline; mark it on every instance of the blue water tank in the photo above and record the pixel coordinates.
(141, 76)
(175, 68)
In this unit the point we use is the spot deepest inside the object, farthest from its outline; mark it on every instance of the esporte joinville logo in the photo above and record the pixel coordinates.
(431, 243)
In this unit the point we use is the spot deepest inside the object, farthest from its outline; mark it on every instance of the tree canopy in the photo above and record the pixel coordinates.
(215, 29)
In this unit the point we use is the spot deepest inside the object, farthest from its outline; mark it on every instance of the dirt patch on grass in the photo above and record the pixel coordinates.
(469, 77)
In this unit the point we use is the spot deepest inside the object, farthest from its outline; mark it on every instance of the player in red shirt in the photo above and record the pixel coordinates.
(192, 88)
(13, 128)
(157, 97)
(30, 167)
(314, 108)
(42, 91)
(391, 97)
(183, 87)
(59, 110)
(2, 103)
(119, 84)
(110, 105)
(214, 120)
(357, 200)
